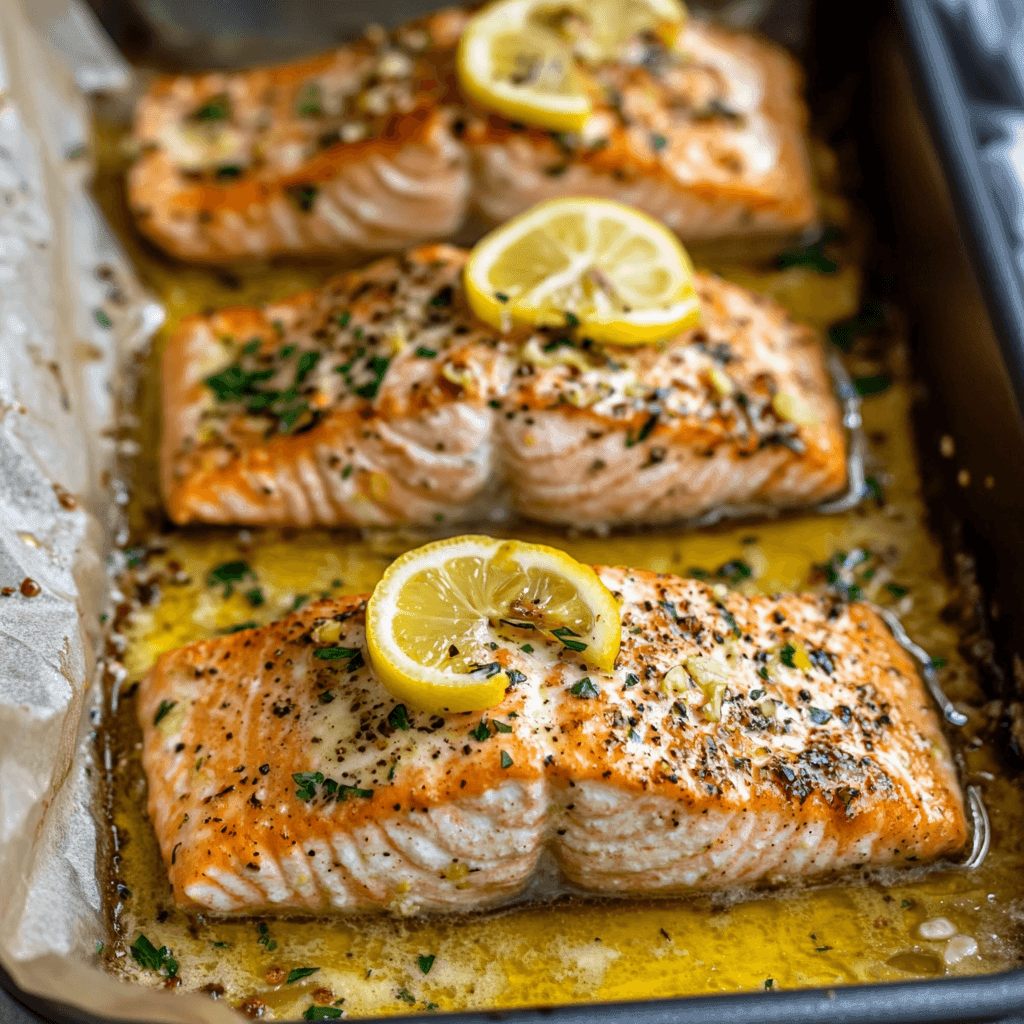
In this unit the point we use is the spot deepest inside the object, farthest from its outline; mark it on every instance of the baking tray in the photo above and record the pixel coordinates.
(975, 401)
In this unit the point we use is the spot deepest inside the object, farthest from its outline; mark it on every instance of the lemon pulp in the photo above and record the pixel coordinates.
(443, 617)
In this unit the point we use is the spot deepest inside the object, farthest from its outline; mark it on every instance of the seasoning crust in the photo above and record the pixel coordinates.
(737, 740)
(380, 399)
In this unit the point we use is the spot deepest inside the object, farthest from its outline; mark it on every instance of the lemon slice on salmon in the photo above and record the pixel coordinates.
(441, 622)
(521, 58)
(612, 271)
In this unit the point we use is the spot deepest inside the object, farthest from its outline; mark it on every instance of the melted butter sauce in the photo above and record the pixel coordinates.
(860, 929)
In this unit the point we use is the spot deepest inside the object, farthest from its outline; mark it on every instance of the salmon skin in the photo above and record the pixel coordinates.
(372, 147)
(736, 741)
(380, 399)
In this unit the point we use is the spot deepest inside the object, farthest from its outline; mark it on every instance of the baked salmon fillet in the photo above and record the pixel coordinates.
(346, 152)
(736, 741)
(372, 147)
(380, 399)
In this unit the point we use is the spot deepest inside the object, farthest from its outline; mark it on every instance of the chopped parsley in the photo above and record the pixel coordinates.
(163, 711)
(217, 108)
(321, 1013)
(500, 726)
(403, 994)
(355, 656)
(229, 573)
(147, 956)
(769, 984)
(481, 732)
(311, 101)
(937, 662)
(873, 489)
(658, 141)
(426, 353)
(307, 783)
(265, 940)
(645, 431)
(307, 362)
(584, 688)
(378, 366)
(896, 590)
(506, 760)
(786, 654)
(102, 319)
(527, 648)
(398, 718)
(562, 633)
(255, 597)
(631, 680)
(344, 792)
(300, 600)
(734, 570)
(326, 697)
(298, 973)
(756, 694)
(515, 676)
(426, 962)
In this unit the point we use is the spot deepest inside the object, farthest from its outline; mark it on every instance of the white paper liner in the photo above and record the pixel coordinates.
(70, 313)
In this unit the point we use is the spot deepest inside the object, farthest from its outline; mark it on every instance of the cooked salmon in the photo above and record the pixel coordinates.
(713, 144)
(380, 399)
(737, 740)
(373, 148)
(348, 152)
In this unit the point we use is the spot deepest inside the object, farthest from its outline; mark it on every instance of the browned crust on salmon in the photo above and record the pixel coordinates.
(581, 435)
(409, 176)
(697, 205)
(634, 783)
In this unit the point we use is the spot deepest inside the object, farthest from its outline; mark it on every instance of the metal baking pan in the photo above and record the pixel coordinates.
(938, 64)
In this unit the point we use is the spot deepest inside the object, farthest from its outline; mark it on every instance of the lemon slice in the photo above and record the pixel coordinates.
(520, 57)
(622, 277)
(522, 70)
(441, 616)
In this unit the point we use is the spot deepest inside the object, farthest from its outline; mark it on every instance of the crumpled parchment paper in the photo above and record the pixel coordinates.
(71, 315)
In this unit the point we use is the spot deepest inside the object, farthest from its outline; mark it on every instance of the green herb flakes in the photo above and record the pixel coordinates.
(321, 1013)
(102, 319)
(378, 366)
(506, 760)
(307, 783)
(481, 732)
(631, 680)
(786, 654)
(228, 574)
(563, 633)
(426, 962)
(584, 688)
(515, 676)
(406, 997)
(298, 973)
(500, 726)
(216, 108)
(425, 353)
(398, 718)
(163, 711)
(147, 956)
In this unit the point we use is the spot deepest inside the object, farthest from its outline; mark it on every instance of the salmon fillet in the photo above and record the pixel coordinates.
(345, 153)
(380, 399)
(736, 741)
(372, 147)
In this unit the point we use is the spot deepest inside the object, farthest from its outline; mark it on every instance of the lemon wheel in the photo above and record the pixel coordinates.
(612, 271)
(526, 59)
(443, 618)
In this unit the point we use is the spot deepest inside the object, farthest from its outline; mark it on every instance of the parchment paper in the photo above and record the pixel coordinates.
(71, 314)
